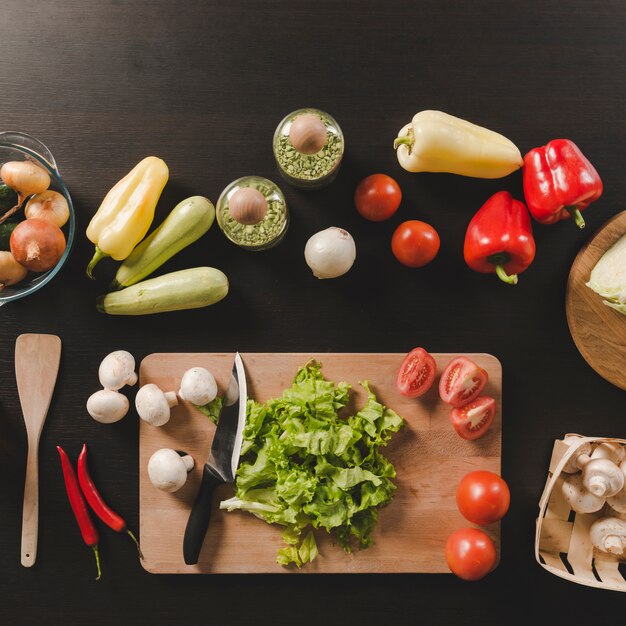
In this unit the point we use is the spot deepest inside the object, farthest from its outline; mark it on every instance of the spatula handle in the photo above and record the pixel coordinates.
(30, 512)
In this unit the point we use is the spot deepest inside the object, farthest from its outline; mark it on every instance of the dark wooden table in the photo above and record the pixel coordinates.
(203, 85)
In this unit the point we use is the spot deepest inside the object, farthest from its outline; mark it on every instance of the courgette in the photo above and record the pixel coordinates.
(6, 229)
(186, 289)
(188, 221)
(8, 198)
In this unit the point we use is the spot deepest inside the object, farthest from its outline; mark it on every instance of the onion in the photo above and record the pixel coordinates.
(37, 244)
(11, 272)
(25, 177)
(48, 205)
(330, 253)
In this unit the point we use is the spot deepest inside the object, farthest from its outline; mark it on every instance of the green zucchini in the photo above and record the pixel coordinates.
(187, 222)
(8, 198)
(186, 289)
(6, 229)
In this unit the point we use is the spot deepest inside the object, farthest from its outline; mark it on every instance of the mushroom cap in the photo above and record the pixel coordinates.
(583, 450)
(608, 450)
(581, 500)
(167, 470)
(198, 386)
(117, 369)
(618, 501)
(602, 477)
(107, 406)
(609, 535)
(152, 405)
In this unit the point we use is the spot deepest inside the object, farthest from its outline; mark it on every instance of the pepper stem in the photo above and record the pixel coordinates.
(130, 534)
(97, 555)
(97, 257)
(577, 216)
(407, 140)
(503, 276)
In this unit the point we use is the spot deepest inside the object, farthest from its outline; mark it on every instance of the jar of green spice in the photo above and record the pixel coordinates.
(308, 148)
(252, 213)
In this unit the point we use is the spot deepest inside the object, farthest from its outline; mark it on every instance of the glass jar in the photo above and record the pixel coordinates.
(306, 157)
(252, 213)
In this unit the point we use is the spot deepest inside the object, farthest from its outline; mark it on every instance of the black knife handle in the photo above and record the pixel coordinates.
(200, 516)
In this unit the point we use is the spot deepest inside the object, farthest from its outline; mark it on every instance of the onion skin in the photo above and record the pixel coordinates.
(37, 244)
(50, 206)
(11, 272)
(25, 177)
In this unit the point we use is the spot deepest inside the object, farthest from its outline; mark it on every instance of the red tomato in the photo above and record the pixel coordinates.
(462, 381)
(483, 497)
(415, 243)
(416, 374)
(473, 419)
(470, 553)
(377, 197)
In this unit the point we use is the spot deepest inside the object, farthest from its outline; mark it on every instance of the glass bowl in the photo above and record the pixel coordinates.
(16, 146)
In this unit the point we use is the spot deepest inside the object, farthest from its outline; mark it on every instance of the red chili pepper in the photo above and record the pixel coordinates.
(79, 507)
(559, 182)
(97, 503)
(499, 239)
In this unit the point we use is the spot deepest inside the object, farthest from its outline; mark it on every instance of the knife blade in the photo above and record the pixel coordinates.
(221, 465)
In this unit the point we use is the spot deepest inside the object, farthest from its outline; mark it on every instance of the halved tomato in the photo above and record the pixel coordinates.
(473, 419)
(416, 374)
(462, 381)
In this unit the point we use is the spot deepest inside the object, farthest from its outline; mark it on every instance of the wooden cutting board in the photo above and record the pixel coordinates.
(429, 457)
(599, 331)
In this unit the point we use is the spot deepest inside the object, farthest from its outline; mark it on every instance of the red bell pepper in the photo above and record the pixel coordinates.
(559, 182)
(499, 239)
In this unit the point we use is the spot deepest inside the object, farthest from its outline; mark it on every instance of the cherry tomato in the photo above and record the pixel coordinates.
(415, 243)
(377, 197)
(416, 374)
(483, 497)
(470, 553)
(472, 420)
(462, 381)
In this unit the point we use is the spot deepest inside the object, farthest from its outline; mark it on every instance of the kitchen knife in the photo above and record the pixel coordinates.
(220, 466)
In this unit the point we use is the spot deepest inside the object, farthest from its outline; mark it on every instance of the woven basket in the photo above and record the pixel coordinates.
(562, 543)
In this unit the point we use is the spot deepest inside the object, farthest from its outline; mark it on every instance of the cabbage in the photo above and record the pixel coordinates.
(608, 277)
(303, 466)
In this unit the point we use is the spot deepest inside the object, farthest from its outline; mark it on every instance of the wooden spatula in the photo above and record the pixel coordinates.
(37, 359)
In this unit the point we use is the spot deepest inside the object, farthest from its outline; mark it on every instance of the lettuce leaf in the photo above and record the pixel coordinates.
(304, 466)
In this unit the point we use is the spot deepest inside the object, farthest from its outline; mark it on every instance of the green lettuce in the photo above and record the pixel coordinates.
(303, 466)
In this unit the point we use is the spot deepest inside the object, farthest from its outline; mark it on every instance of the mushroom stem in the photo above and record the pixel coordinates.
(188, 461)
(171, 398)
(614, 544)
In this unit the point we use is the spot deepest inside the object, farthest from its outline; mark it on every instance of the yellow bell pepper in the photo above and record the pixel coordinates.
(437, 142)
(127, 211)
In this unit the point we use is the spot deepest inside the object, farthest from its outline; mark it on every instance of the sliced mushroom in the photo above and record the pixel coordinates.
(168, 470)
(581, 500)
(602, 477)
(609, 535)
(117, 369)
(107, 406)
(153, 404)
(580, 458)
(198, 386)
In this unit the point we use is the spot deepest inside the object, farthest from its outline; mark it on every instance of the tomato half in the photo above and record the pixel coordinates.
(483, 497)
(462, 381)
(416, 374)
(473, 419)
(415, 243)
(377, 197)
(470, 553)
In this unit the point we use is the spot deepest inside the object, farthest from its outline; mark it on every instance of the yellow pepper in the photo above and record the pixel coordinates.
(437, 142)
(127, 211)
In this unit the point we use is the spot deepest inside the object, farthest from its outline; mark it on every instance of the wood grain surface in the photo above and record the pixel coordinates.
(429, 457)
(598, 330)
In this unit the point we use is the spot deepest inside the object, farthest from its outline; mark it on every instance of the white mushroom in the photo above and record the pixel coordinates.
(168, 470)
(618, 501)
(153, 405)
(107, 406)
(198, 386)
(603, 478)
(609, 535)
(581, 500)
(580, 458)
(117, 369)
(612, 451)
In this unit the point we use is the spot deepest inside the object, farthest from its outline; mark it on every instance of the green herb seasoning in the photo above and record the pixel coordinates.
(252, 213)
(308, 147)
